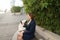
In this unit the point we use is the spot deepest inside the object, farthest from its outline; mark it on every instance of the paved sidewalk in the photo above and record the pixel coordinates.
(8, 25)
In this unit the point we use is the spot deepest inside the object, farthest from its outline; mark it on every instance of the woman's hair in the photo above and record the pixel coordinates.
(31, 15)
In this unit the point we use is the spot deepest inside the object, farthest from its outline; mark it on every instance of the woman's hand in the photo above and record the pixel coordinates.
(22, 32)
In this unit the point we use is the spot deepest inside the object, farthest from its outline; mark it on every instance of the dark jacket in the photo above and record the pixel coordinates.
(30, 30)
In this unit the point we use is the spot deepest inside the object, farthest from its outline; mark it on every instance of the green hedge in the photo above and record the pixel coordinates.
(46, 13)
(15, 9)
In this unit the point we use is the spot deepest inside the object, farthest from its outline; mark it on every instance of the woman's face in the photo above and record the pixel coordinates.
(28, 17)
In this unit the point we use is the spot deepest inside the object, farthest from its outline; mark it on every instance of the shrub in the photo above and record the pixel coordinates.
(46, 13)
(15, 9)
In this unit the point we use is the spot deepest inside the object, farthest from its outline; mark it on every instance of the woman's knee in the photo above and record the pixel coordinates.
(19, 37)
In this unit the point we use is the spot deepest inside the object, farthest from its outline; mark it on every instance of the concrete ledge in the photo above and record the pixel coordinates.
(42, 34)
(45, 34)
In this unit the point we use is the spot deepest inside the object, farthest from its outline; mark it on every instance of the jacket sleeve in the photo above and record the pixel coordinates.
(31, 28)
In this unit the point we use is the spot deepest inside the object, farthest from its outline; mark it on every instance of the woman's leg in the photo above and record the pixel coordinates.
(19, 36)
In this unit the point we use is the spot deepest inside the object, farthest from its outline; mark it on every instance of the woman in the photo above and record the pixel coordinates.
(28, 34)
